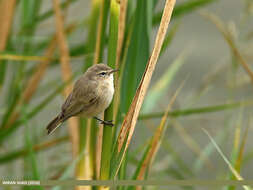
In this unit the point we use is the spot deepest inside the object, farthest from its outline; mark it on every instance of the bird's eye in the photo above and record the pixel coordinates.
(102, 73)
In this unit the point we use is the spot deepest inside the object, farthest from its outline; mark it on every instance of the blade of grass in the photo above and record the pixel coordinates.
(108, 131)
(238, 152)
(12, 156)
(66, 73)
(237, 136)
(232, 169)
(239, 160)
(137, 52)
(31, 170)
(119, 78)
(31, 157)
(12, 100)
(118, 83)
(130, 120)
(13, 57)
(29, 10)
(192, 111)
(209, 148)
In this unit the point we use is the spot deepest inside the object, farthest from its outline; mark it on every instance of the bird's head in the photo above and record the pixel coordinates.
(101, 72)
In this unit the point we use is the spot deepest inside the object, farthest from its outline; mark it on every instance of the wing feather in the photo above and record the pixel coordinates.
(82, 97)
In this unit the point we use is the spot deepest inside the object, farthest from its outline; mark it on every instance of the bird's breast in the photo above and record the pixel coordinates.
(105, 95)
(107, 91)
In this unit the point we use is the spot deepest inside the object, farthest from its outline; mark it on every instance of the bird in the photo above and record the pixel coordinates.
(91, 95)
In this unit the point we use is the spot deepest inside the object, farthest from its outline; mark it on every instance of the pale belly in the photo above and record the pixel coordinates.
(105, 92)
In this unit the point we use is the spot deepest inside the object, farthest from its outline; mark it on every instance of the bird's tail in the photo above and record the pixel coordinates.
(54, 124)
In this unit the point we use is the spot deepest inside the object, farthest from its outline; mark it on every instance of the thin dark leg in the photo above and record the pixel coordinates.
(109, 123)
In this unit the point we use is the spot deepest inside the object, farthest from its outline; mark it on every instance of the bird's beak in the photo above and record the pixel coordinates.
(114, 70)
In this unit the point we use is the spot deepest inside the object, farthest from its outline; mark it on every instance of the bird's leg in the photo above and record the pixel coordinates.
(109, 123)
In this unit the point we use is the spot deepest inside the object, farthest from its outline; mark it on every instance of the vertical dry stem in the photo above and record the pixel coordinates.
(98, 37)
(6, 13)
(66, 73)
(121, 32)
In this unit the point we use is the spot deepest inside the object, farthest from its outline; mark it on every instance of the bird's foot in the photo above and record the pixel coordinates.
(109, 123)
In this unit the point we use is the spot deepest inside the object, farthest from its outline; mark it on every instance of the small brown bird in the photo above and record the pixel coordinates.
(91, 95)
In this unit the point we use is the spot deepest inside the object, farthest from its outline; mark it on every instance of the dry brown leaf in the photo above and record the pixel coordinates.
(155, 143)
(130, 119)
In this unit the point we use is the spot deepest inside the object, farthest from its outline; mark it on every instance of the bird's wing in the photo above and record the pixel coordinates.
(82, 96)
(67, 102)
